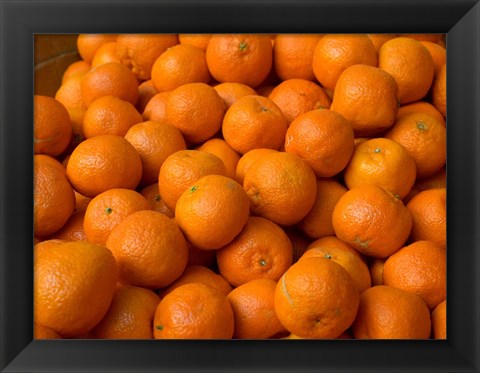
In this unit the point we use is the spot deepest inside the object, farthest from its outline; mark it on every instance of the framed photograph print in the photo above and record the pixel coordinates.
(216, 109)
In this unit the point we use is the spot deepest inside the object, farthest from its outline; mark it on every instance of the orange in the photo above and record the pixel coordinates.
(53, 198)
(379, 39)
(88, 44)
(411, 64)
(419, 268)
(316, 298)
(154, 142)
(102, 163)
(376, 271)
(194, 311)
(197, 40)
(108, 209)
(293, 55)
(149, 248)
(144, 49)
(84, 277)
(109, 79)
(281, 187)
(439, 91)
(334, 53)
(110, 52)
(298, 96)
(439, 54)
(156, 107)
(130, 315)
(323, 139)
(318, 222)
(199, 274)
(231, 92)
(225, 152)
(382, 162)
(73, 228)
(390, 313)
(438, 180)
(152, 194)
(239, 58)
(178, 65)
(109, 115)
(52, 127)
(70, 96)
(45, 245)
(181, 169)
(332, 248)
(422, 107)
(146, 91)
(212, 211)
(196, 109)
(44, 332)
(434, 38)
(261, 250)
(77, 67)
(247, 160)
(254, 122)
(372, 221)
(439, 321)
(367, 97)
(425, 138)
(265, 89)
(429, 217)
(254, 311)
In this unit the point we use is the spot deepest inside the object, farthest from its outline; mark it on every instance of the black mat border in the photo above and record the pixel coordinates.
(21, 19)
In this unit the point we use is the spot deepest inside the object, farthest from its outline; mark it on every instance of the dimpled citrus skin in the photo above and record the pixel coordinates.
(367, 97)
(419, 268)
(212, 211)
(372, 220)
(316, 298)
(390, 313)
(73, 286)
(261, 250)
(104, 162)
(196, 109)
(281, 188)
(194, 311)
(54, 200)
(149, 248)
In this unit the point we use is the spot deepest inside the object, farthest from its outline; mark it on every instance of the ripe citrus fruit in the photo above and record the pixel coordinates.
(84, 277)
(254, 311)
(231, 92)
(225, 152)
(154, 142)
(390, 313)
(372, 220)
(241, 58)
(106, 210)
(212, 211)
(194, 311)
(149, 248)
(439, 321)
(281, 188)
(52, 127)
(254, 122)
(323, 139)
(130, 315)
(53, 197)
(316, 298)
(102, 163)
(260, 250)
(420, 268)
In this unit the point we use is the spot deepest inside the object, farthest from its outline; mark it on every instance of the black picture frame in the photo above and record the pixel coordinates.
(20, 20)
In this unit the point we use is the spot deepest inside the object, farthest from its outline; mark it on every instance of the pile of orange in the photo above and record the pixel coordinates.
(243, 186)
